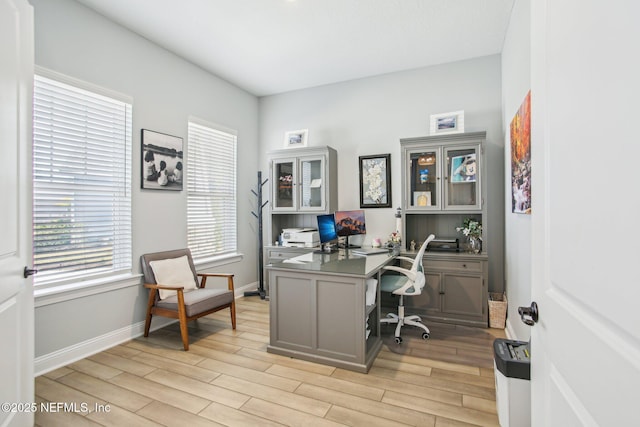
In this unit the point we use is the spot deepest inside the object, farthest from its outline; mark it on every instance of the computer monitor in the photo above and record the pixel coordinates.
(350, 223)
(327, 228)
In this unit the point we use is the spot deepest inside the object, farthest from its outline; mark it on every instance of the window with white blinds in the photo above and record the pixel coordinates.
(211, 191)
(82, 183)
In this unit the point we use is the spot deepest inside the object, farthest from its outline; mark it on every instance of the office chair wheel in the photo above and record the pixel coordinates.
(425, 335)
(398, 340)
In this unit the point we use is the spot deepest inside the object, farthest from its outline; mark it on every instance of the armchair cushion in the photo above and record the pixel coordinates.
(173, 272)
(199, 301)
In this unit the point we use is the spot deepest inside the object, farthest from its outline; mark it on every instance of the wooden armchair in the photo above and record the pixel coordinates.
(182, 296)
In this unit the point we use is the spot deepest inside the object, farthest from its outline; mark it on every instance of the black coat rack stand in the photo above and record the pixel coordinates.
(261, 292)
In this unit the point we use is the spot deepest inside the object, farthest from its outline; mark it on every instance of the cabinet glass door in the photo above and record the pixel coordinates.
(424, 180)
(284, 197)
(462, 177)
(311, 183)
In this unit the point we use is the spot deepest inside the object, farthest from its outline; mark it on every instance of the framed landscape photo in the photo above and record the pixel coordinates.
(445, 123)
(296, 138)
(375, 181)
(162, 163)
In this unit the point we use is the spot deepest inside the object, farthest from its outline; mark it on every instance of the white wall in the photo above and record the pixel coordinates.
(369, 116)
(74, 40)
(516, 82)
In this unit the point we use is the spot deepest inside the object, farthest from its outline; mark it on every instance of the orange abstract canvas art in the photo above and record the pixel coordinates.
(521, 158)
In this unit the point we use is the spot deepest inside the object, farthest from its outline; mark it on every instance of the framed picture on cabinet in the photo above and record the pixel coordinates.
(421, 198)
(445, 123)
(296, 138)
(464, 168)
(162, 161)
(375, 181)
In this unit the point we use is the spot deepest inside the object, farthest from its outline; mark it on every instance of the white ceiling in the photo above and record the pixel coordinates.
(273, 46)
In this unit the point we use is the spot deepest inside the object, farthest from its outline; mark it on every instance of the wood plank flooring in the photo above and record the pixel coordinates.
(227, 378)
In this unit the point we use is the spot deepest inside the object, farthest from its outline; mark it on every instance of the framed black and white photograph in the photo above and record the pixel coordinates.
(162, 161)
(444, 123)
(296, 138)
(375, 181)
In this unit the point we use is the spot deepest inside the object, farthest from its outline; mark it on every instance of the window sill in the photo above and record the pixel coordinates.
(218, 261)
(70, 291)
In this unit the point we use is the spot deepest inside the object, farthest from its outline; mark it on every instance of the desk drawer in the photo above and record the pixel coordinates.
(461, 265)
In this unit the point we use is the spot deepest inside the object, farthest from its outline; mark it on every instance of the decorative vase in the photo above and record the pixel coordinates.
(394, 247)
(475, 245)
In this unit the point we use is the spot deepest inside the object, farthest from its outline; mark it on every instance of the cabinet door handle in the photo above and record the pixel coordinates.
(441, 292)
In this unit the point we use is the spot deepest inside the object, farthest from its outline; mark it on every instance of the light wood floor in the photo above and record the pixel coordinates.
(228, 378)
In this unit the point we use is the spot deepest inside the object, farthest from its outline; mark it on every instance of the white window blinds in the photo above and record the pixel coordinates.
(211, 191)
(82, 183)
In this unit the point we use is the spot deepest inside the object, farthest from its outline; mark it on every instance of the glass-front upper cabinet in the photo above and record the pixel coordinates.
(311, 183)
(284, 197)
(442, 174)
(462, 189)
(299, 184)
(424, 189)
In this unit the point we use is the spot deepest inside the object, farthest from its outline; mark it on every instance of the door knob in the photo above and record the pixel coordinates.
(529, 315)
(28, 272)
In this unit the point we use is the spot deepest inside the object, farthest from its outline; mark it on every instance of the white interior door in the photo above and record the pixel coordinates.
(586, 208)
(16, 293)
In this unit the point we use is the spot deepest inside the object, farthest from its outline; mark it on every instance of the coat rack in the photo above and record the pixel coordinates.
(261, 292)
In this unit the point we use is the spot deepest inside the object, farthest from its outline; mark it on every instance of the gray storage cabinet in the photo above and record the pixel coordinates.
(437, 199)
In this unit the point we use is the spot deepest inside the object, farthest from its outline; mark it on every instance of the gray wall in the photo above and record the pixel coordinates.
(516, 82)
(369, 116)
(74, 40)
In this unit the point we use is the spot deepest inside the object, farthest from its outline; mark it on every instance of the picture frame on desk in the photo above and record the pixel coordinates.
(375, 181)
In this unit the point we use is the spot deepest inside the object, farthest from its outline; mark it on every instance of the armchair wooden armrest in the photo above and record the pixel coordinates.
(228, 276)
(168, 288)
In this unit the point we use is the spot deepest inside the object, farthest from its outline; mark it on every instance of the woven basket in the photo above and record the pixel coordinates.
(497, 310)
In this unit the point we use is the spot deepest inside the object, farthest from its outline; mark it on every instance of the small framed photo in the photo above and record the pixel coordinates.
(464, 168)
(421, 199)
(296, 138)
(162, 161)
(447, 123)
(375, 181)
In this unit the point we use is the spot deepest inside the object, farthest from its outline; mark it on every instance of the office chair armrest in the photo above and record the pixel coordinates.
(411, 282)
(229, 277)
(410, 274)
(168, 288)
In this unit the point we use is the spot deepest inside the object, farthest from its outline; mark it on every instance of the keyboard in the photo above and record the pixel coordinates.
(369, 251)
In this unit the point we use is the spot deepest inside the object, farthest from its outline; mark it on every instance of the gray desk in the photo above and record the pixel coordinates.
(318, 310)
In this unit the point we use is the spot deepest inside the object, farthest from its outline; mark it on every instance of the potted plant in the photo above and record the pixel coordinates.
(473, 230)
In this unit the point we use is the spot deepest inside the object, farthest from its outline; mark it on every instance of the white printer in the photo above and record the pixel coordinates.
(300, 237)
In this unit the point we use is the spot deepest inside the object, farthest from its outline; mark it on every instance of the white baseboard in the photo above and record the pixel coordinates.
(509, 331)
(250, 287)
(64, 356)
(49, 362)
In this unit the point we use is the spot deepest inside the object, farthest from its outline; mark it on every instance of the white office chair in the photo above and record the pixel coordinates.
(410, 283)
